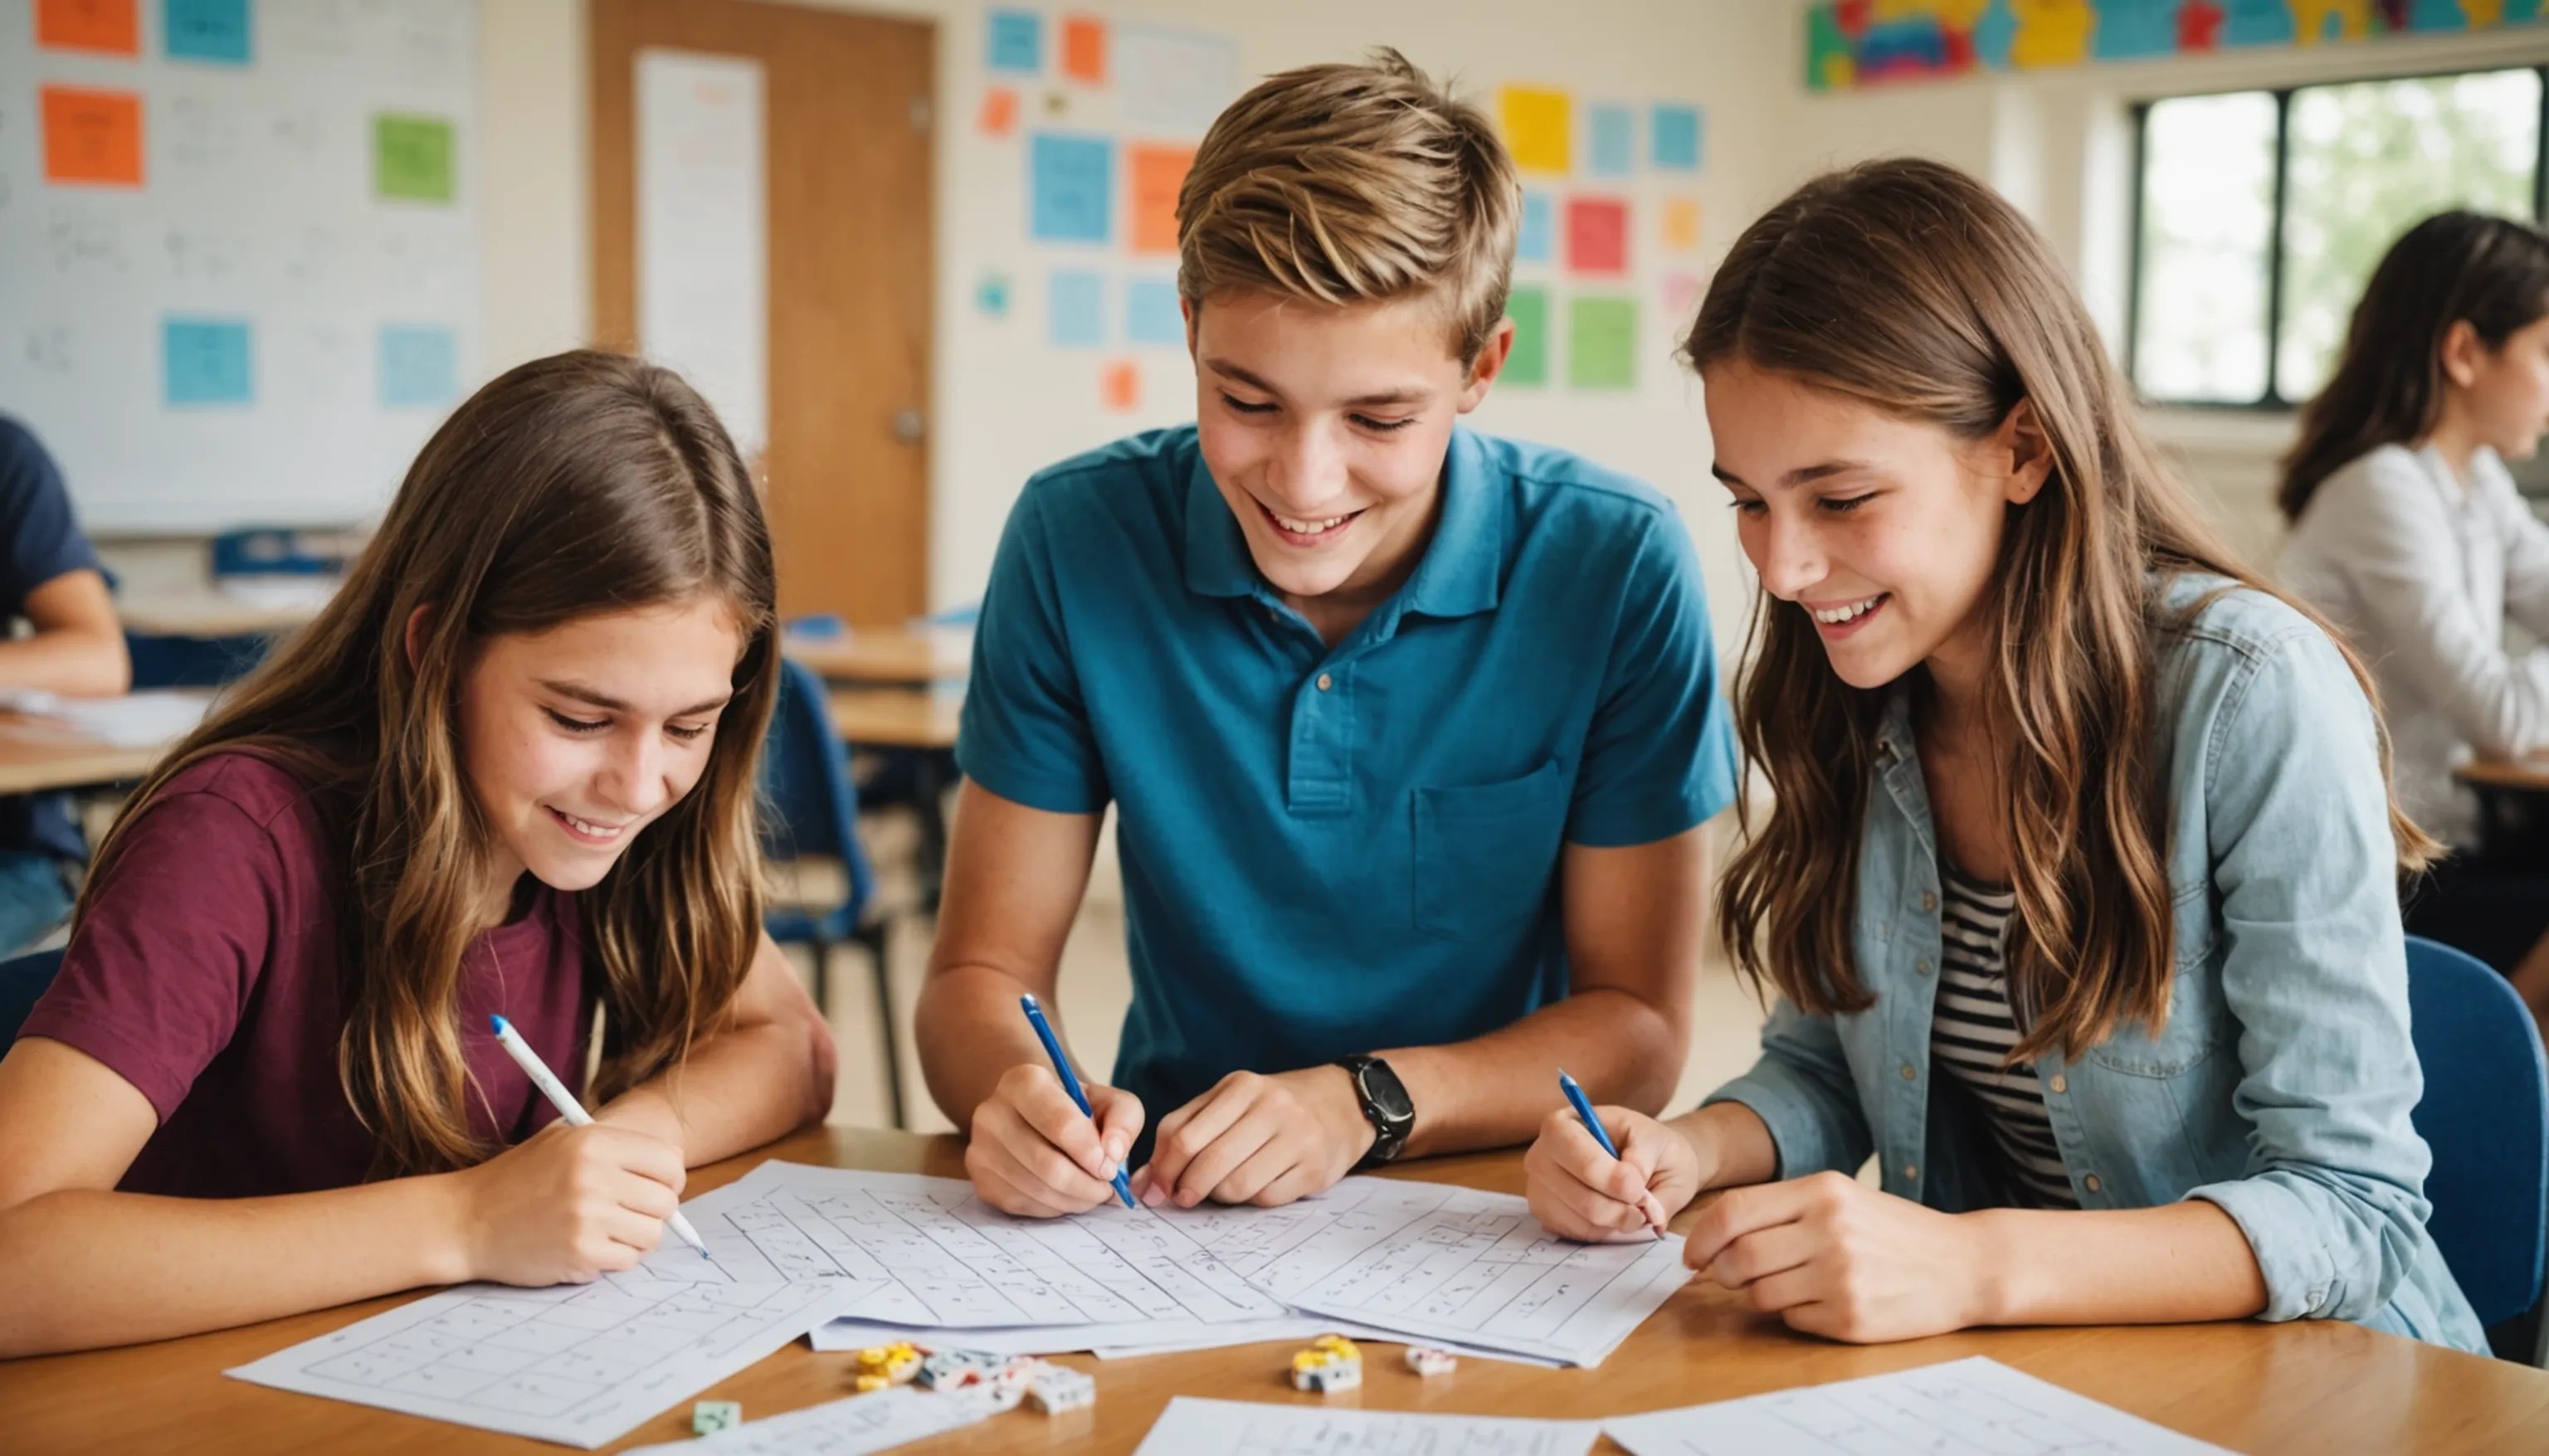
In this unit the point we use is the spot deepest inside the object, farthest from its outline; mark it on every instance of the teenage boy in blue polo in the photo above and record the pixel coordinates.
(1410, 730)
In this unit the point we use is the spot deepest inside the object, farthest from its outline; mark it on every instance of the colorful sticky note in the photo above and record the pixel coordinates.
(1158, 173)
(1120, 387)
(1682, 224)
(1083, 49)
(206, 361)
(1614, 141)
(1076, 310)
(999, 116)
(1071, 186)
(207, 29)
(419, 366)
(412, 158)
(1672, 138)
(1597, 234)
(1537, 241)
(1681, 299)
(111, 25)
(1015, 41)
(1151, 312)
(1601, 343)
(1528, 364)
(992, 295)
(92, 136)
(1537, 127)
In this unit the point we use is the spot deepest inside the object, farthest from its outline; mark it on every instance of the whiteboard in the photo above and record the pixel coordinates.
(268, 324)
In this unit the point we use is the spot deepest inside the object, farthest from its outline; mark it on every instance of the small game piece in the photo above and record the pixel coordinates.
(1330, 1364)
(1428, 1361)
(880, 1366)
(954, 1370)
(707, 1418)
(1057, 1388)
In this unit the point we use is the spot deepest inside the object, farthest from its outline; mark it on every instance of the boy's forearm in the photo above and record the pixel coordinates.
(969, 1032)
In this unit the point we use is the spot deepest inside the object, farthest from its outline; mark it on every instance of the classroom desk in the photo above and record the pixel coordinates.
(209, 615)
(895, 717)
(885, 655)
(2512, 806)
(39, 757)
(2313, 1385)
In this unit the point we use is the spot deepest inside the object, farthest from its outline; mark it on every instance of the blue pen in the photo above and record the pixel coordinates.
(1593, 1125)
(1070, 1082)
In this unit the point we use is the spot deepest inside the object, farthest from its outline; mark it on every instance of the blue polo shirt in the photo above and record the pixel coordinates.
(1328, 850)
(40, 540)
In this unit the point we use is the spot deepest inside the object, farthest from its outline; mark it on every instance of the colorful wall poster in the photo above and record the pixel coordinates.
(208, 30)
(1075, 309)
(1527, 363)
(1013, 40)
(108, 27)
(1597, 234)
(1601, 342)
(1157, 171)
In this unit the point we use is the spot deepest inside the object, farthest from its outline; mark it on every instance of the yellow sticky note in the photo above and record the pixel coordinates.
(1537, 128)
(1682, 224)
(2050, 32)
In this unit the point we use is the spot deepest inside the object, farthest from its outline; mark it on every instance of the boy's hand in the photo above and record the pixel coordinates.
(1033, 1152)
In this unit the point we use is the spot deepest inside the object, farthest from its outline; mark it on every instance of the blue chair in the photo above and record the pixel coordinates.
(813, 815)
(160, 661)
(2486, 1114)
(23, 979)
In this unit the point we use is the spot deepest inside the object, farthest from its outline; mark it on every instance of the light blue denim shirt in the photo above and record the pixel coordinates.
(2279, 1087)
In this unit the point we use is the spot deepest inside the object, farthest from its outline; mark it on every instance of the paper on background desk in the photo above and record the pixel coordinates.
(856, 1426)
(1199, 1427)
(1970, 1404)
(579, 1364)
(133, 720)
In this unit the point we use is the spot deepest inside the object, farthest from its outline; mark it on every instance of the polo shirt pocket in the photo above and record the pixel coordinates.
(1486, 854)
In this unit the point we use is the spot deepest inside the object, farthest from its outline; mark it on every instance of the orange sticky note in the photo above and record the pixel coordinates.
(111, 25)
(92, 136)
(999, 112)
(1158, 173)
(1682, 224)
(1083, 49)
(1120, 387)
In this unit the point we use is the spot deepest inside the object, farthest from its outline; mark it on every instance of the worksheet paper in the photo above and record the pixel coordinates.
(926, 1252)
(1974, 1405)
(1164, 1337)
(852, 1427)
(1197, 1428)
(578, 1364)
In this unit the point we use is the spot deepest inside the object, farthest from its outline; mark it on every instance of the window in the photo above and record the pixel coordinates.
(2261, 213)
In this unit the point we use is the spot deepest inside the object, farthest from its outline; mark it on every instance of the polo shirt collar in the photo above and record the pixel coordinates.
(1462, 569)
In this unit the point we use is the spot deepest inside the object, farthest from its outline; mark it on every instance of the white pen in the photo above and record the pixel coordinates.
(570, 1110)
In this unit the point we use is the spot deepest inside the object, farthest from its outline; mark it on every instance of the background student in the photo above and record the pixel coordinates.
(1410, 730)
(2076, 887)
(510, 770)
(49, 576)
(2407, 532)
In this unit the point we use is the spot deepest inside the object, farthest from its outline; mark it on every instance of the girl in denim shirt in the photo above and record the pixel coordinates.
(2079, 884)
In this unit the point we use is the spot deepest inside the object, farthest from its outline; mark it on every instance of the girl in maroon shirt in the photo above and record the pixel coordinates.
(510, 770)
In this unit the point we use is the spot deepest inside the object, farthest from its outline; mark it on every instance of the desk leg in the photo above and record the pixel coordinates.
(933, 772)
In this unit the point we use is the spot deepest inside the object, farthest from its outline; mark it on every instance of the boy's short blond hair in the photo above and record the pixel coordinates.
(1343, 184)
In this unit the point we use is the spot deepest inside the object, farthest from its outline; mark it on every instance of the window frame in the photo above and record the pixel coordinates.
(2272, 401)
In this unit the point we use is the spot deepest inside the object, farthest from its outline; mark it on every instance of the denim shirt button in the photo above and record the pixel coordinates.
(1929, 901)
(2060, 1083)
(1909, 1071)
(2090, 1182)
(1910, 1171)
(1922, 965)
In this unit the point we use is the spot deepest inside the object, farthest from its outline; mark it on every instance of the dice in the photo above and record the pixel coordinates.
(1055, 1389)
(1427, 1361)
(707, 1418)
(1331, 1364)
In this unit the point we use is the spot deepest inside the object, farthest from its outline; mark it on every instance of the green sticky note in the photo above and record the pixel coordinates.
(412, 158)
(1602, 344)
(1528, 308)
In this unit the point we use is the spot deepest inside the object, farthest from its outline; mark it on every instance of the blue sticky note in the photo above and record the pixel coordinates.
(1674, 137)
(1615, 141)
(1151, 312)
(420, 365)
(207, 29)
(1015, 41)
(1076, 310)
(206, 361)
(1537, 241)
(1070, 188)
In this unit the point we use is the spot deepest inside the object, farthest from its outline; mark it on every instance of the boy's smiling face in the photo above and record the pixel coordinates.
(1325, 429)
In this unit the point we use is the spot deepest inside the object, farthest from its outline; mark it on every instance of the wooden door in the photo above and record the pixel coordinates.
(848, 153)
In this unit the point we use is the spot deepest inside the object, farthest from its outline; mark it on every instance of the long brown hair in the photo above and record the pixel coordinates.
(1913, 288)
(578, 484)
(2388, 388)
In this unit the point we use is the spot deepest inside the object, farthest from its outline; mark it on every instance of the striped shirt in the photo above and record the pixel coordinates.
(1973, 1029)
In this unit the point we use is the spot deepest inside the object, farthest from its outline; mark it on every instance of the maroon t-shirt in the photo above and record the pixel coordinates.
(207, 972)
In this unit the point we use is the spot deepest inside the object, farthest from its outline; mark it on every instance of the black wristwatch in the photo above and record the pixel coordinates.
(1384, 1101)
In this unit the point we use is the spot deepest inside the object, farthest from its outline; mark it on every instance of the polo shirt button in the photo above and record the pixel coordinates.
(2060, 1083)
(1910, 1171)
(1929, 901)
(1909, 1071)
(2090, 1182)
(1326, 683)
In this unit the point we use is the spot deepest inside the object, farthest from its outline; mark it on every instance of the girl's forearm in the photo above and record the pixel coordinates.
(1733, 1144)
(81, 1268)
(738, 1090)
(2179, 1263)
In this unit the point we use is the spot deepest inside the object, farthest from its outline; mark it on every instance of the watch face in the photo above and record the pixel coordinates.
(1382, 1086)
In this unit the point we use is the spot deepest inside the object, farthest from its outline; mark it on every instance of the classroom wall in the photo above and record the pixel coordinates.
(1005, 405)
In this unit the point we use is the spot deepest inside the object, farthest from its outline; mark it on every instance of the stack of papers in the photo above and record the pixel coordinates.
(133, 720)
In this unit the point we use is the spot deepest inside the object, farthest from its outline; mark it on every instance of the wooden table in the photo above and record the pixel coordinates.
(895, 717)
(894, 655)
(39, 757)
(209, 615)
(2312, 1385)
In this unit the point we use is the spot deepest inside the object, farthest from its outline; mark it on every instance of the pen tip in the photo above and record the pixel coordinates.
(1029, 1001)
(497, 1023)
